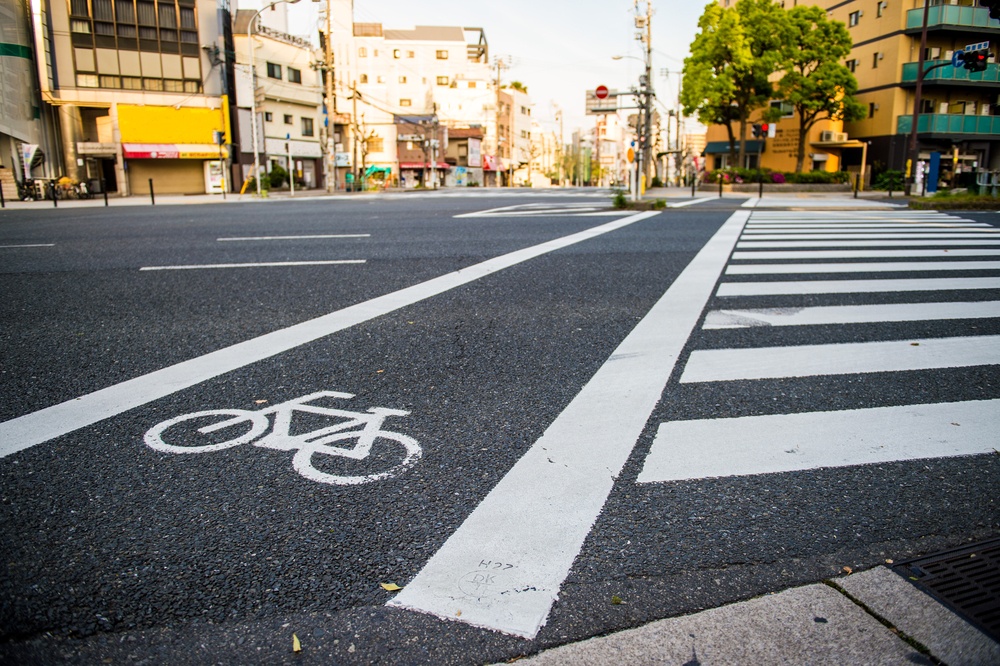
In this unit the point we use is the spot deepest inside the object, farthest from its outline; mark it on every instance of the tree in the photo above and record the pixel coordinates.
(815, 82)
(726, 77)
(517, 85)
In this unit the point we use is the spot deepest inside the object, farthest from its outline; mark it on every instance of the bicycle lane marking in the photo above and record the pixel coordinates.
(36, 427)
(503, 567)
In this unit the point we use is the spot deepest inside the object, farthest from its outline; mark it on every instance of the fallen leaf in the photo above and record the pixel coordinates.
(379, 372)
(296, 645)
(616, 600)
(956, 424)
(848, 570)
(888, 561)
(390, 587)
(259, 402)
(458, 613)
(914, 344)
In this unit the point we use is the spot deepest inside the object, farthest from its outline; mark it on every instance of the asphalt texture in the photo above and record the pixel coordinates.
(112, 550)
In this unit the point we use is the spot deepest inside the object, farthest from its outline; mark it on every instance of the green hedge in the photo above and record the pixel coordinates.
(731, 176)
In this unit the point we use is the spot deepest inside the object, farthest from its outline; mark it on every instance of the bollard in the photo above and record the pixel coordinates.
(3, 204)
(857, 184)
(720, 185)
(152, 197)
(104, 191)
(694, 184)
(55, 194)
(760, 189)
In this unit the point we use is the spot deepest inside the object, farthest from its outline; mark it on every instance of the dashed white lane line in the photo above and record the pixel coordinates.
(277, 238)
(685, 450)
(502, 569)
(7, 247)
(37, 427)
(722, 365)
(263, 264)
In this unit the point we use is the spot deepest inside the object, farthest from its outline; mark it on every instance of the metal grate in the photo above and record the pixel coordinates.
(966, 579)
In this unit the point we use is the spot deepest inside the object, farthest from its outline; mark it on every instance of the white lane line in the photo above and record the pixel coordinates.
(271, 238)
(854, 232)
(849, 314)
(751, 202)
(723, 365)
(749, 445)
(45, 424)
(743, 245)
(897, 235)
(264, 264)
(502, 569)
(859, 254)
(853, 286)
(690, 202)
(859, 267)
(6, 247)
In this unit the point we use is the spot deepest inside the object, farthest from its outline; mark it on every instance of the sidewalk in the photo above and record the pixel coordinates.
(875, 617)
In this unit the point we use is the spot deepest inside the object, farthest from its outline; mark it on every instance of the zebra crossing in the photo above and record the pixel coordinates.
(756, 273)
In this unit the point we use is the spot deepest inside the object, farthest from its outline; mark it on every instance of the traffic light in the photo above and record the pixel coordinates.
(975, 61)
(756, 130)
(760, 130)
(994, 7)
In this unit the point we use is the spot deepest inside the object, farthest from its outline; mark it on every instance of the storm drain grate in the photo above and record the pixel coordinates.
(966, 579)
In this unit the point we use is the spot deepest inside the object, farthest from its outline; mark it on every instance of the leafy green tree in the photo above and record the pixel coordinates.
(815, 82)
(727, 76)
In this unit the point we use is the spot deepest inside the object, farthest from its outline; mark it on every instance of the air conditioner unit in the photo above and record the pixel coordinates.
(840, 137)
(827, 136)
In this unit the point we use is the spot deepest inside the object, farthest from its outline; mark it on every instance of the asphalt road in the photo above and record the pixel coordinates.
(491, 332)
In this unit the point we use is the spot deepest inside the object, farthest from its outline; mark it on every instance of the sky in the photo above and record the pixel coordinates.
(558, 48)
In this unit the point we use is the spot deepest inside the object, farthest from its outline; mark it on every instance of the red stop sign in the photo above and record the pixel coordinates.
(601, 92)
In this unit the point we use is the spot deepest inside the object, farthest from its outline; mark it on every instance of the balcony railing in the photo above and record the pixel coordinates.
(950, 123)
(951, 74)
(951, 15)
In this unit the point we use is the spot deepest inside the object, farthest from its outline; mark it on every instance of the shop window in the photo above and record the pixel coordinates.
(307, 127)
(294, 75)
(273, 71)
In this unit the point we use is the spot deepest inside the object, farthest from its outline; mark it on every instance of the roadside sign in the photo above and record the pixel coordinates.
(596, 106)
(631, 155)
(601, 92)
(956, 58)
(981, 46)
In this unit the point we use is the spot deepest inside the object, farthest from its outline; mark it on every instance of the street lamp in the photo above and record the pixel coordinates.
(253, 98)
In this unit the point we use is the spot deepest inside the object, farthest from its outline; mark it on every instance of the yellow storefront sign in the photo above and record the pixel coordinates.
(167, 125)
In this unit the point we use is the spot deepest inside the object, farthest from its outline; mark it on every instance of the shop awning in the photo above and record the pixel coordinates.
(491, 163)
(722, 147)
(172, 151)
(427, 165)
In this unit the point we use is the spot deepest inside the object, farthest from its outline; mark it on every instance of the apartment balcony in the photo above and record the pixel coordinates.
(951, 125)
(952, 76)
(951, 18)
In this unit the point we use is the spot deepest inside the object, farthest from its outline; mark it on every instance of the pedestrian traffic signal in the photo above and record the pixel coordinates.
(975, 61)
(993, 6)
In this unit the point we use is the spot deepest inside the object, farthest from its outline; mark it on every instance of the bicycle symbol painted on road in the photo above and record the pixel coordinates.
(317, 457)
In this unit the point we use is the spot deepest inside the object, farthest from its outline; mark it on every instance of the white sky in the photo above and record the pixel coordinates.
(558, 48)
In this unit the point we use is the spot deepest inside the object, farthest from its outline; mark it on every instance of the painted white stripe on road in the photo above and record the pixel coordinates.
(751, 202)
(690, 202)
(271, 238)
(853, 286)
(45, 424)
(859, 254)
(265, 264)
(502, 569)
(745, 245)
(897, 235)
(858, 267)
(6, 247)
(723, 365)
(685, 450)
(873, 232)
(825, 224)
(849, 314)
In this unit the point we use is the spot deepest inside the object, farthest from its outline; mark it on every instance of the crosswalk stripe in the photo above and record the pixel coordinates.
(853, 286)
(900, 232)
(709, 448)
(503, 568)
(720, 365)
(857, 267)
(858, 254)
(744, 245)
(897, 235)
(849, 314)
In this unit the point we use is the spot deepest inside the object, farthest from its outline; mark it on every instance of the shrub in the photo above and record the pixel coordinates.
(777, 177)
(656, 182)
(619, 202)
(278, 176)
(265, 183)
(888, 180)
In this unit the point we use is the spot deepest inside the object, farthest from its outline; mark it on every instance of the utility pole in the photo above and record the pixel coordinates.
(499, 64)
(645, 145)
(331, 104)
(354, 139)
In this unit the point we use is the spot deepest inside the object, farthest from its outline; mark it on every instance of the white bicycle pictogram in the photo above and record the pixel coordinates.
(365, 427)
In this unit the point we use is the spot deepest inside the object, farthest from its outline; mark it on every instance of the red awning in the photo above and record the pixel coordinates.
(427, 165)
(490, 163)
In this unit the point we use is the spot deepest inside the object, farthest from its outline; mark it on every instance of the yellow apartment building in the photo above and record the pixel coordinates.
(957, 110)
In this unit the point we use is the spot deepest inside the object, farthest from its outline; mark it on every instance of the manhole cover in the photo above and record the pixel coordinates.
(966, 579)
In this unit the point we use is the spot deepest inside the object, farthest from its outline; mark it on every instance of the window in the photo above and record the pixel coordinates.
(78, 26)
(472, 84)
(362, 52)
(380, 79)
(102, 10)
(125, 11)
(273, 71)
(871, 110)
(86, 80)
(375, 144)
(397, 54)
(307, 127)
(411, 54)
(155, 85)
(268, 116)
(405, 102)
(288, 119)
(173, 85)
(852, 19)
(443, 80)
(363, 79)
(852, 65)
(441, 55)
(131, 83)
(879, 9)
(875, 58)
(110, 82)
(402, 79)
(147, 13)
(787, 110)
(294, 75)
(79, 8)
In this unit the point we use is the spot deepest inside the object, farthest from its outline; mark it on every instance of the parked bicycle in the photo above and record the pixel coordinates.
(182, 434)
